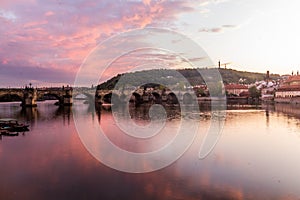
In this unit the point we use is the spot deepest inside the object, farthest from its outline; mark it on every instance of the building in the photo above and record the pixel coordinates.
(267, 93)
(268, 90)
(292, 80)
(236, 89)
(289, 90)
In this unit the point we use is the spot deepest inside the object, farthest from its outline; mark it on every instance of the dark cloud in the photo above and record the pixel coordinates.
(20, 75)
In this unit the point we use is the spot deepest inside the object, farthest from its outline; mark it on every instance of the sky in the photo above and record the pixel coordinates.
(46, 42)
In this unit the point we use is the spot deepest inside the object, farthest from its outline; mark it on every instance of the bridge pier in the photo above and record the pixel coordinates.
(164, 97)
(29, 97)
(98, 98)
(67, 99)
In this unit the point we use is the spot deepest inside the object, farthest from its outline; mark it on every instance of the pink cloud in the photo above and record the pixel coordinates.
(11, 3)
(5, 61)
(147, 2)
(49, 13)
(35, 24)
(60, 34)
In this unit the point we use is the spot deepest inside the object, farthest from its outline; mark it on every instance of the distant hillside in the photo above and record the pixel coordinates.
(192, 75)
(233, 76)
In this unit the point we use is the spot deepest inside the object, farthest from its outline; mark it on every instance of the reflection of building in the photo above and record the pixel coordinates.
(236, 89)
(289, 109)
(289, 91)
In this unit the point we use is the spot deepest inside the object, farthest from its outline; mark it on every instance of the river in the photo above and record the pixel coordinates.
(256, 157)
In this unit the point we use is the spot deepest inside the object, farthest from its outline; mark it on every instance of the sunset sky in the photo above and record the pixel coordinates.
(45, 41)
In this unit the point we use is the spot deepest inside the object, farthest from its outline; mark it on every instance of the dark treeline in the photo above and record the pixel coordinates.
(192, 75)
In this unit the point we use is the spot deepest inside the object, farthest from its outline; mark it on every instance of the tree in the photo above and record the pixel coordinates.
(201, 92)
(254, 92)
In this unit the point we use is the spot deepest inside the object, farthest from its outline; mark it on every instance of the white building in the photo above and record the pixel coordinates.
(289, 88)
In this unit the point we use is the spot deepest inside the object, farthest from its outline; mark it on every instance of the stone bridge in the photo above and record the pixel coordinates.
(12, 93)
(141, 96)
(29, 96)
(65, 95)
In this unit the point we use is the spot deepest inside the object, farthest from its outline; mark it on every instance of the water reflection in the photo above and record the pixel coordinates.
(257, 157)
(65, 112)
(29, 113)
(292, 110)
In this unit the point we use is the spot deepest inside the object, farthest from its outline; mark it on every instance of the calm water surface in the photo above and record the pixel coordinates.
(257, 157)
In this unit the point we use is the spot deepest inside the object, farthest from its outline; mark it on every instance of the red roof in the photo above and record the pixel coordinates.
(292, 79)
(289, 88)
(235, 86)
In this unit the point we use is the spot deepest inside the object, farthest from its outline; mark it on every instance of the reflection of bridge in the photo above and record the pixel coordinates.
(64, 95)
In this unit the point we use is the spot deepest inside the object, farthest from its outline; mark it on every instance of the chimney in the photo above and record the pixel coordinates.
(219, 64)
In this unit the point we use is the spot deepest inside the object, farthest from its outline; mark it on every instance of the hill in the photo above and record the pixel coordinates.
(233, 76)
(172, 77)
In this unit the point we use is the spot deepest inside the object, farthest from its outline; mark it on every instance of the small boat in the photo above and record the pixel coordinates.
(8, 133)
(3, 131)
(12, 125)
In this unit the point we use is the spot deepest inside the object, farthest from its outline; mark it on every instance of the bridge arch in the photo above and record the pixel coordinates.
(107, 98)
(172, 98)
(156, 97)
(136, 97)
(11, 97)
(44, 95)
(87, 96)
(80, 96)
